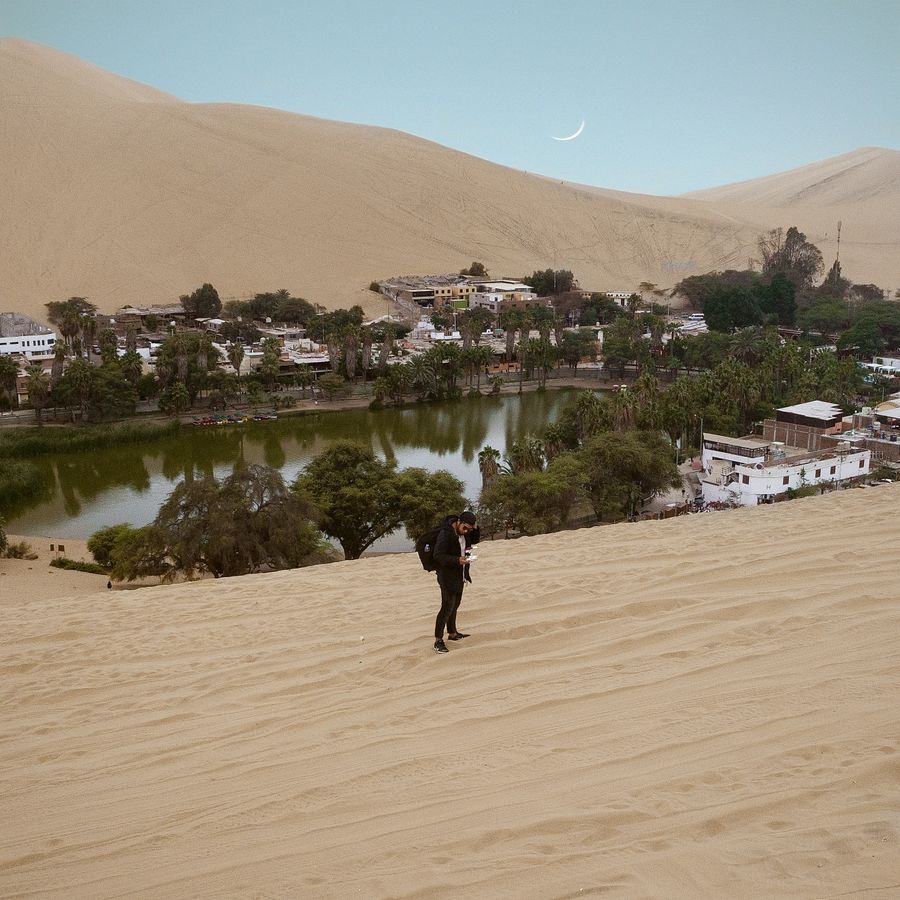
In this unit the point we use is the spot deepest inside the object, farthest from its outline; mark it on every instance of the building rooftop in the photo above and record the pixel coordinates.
(746, 443)
(815, 409)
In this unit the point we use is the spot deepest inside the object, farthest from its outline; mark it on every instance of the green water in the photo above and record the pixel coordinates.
(128, 483)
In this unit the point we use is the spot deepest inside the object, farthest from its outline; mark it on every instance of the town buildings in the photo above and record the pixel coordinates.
(22, 336)
(749, 471)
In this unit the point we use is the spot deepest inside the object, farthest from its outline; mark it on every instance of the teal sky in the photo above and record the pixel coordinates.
(676, 95)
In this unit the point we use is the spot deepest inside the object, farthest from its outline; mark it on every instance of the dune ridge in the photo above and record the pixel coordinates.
(695, 707)
(124, 194)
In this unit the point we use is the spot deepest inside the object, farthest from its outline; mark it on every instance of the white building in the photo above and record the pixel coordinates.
(884, 365)
(23, 336)
(493, 295)
(748, 471)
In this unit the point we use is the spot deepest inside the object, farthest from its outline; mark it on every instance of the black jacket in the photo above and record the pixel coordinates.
(446, 555)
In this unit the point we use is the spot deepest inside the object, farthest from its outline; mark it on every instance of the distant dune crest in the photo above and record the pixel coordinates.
(125, 194)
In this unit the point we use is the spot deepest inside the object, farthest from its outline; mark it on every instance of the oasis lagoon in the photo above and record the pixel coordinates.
(126, 483)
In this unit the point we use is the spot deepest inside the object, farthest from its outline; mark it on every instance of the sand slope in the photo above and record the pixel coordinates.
(701, 707)
(125, 194)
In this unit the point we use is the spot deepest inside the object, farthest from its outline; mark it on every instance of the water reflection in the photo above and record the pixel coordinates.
(128, 483)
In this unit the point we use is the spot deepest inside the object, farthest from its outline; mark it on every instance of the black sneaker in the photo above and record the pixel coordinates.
(456, 637)
(440, 647)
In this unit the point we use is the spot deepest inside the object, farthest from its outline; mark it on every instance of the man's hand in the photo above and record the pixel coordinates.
(462, 560)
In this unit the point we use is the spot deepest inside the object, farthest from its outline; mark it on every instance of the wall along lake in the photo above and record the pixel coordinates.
(128, 483)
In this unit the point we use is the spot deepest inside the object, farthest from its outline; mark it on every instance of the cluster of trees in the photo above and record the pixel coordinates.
(252, 520)
(593, 458)
(606, 452)
(785, 292)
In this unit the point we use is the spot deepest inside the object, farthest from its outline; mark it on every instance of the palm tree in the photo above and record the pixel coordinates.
(525, 455)
(38, 390)
(489, 465)
(511, 319)
(543, 318)
(9, 373)
(590, 415)
(748, 345)
(483, 359)
(235, 352)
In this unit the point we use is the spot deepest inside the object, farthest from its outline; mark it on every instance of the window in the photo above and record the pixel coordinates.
(862, 463)
(786, 480)
(745, 479)
(832, 470)
(818, 473)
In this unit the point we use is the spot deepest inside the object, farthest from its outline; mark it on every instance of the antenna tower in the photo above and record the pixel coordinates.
(838, 255)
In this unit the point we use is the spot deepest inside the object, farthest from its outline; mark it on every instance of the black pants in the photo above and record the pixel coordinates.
(450, 600)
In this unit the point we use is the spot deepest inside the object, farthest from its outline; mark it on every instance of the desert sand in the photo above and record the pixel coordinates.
(124, 194)
(697, 707)
(32, 580)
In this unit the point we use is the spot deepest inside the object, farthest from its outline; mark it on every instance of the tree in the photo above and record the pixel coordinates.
(535, 501)
(70, 317)
(748, 345)
(622, 344)
(204, 303)
(488, 465)
(476, 270)
(623, 468)
(270, 365)
(551, 281)
(791, 254)
(333, 386)
(247, 523)
(38, 385)
(174, 399)
(103, 543)
(361, 498)
(512, 318)
(729, 308)
(9, 374)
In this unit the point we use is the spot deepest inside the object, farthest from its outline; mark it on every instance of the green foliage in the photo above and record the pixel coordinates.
(174, 399)
(334, 387)
(22, 482)
(27, 442)
(187, 359)
(599, 309)
(4, 542)
(550, 281)
(362, 498)
(247, 523)
(623, 468)
(77, 565)
(21, 550)
(790, 254)
(374, 287)
(534, 502)
(578, 344)
(279, 306)
(204, 303)
(476, 270)
(102, 544)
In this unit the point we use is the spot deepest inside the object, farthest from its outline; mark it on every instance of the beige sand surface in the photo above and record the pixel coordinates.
(32, 580)
(698, 707)
(125, 194)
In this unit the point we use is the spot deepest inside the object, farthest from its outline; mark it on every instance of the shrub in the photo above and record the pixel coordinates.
(78, 566)
(22, 550)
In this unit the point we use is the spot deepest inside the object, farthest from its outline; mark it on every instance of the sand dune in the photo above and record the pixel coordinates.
(125, 194)
(700, 707)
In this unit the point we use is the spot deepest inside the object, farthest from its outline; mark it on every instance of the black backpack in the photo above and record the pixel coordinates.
(425, 548)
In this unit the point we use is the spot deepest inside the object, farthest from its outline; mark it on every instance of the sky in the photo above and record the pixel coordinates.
(676, 96)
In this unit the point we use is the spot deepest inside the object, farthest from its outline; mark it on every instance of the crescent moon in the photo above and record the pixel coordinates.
(571, 137)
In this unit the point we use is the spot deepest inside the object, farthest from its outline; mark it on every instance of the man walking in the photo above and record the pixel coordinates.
(457, 533)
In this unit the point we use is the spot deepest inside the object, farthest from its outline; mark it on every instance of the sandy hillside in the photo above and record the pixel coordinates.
(701, 707)
(34, 579)
(125, 194)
